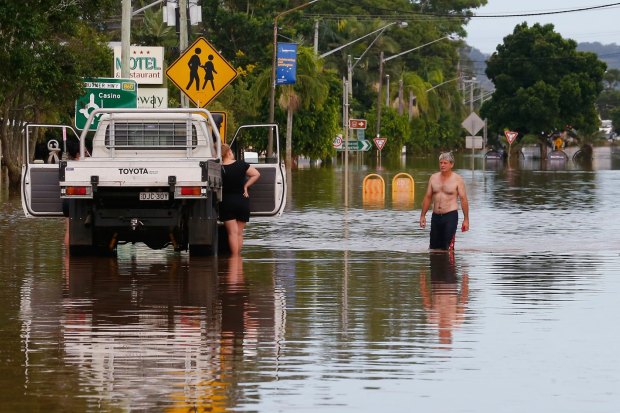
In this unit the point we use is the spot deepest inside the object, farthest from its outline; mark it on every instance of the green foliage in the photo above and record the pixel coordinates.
(542, 83)
(608, 101)
(314, 132)
(614, 115)
(396, 129)
(45, 50)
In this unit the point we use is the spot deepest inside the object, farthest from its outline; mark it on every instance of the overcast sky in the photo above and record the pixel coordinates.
(601, 25)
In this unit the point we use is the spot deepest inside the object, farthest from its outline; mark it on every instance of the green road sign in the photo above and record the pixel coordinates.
(103, 92)
(362, 145)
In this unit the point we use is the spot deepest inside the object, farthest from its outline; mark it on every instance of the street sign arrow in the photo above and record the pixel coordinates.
(362, 145)
(357, 123)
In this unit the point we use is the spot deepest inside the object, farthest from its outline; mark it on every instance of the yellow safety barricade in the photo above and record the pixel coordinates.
(373, 191)
(403, 191)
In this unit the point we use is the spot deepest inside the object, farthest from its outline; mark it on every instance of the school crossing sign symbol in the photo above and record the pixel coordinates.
(201, 72)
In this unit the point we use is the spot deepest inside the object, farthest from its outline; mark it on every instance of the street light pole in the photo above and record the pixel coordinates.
(382, 61)
(387, 91)
(272, 97)
(379, 94)
(347, 92)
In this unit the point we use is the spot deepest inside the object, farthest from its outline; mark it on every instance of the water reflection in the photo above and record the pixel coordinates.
(445, 301)
(535, 280)
(167, 334)
(331, 308)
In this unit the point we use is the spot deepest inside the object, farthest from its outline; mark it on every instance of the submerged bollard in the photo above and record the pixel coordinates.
(403, 191)
(373, 191)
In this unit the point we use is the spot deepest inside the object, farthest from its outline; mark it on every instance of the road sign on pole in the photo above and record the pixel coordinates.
(473, 123)
(511, 136)
(337, 142)
(357, 123)
(103, 92)
(201, 72)
(362, 146)
(473, 142)
(380, 142)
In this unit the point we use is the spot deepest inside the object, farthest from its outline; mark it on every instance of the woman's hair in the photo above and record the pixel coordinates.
(225, 149)
(446, 156)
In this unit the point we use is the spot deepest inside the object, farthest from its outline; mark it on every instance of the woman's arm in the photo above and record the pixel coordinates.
(253, 175)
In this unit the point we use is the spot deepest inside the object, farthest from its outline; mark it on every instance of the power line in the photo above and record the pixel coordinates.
(406, 15)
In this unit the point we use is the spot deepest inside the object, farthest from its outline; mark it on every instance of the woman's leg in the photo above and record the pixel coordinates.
(233, 237)
(240, 228)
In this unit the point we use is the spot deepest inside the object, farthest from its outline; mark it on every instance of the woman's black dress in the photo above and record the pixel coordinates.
(234, 205)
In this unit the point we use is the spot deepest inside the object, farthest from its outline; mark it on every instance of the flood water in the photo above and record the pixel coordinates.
(333, 309)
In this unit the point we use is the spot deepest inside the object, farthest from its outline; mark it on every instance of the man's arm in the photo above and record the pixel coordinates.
(464, 204)
(426, 203)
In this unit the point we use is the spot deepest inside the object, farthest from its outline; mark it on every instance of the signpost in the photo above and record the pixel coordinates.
(511, 136)
(473, 142)
(201, 72)
(473, 124)
(152, 97)
(145, 64)
(357, 123)
(361, 146)
(337, 142)
(221, 120)
(104, 92)
(380, 142)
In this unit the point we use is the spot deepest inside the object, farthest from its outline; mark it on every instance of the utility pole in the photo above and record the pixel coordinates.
(183, 40)
(379, 94)
(471, 96)
(316, 37)
(125, 38)
(346, 144)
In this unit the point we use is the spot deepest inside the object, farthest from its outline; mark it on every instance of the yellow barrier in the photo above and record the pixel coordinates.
(373, 191)
(403, 191)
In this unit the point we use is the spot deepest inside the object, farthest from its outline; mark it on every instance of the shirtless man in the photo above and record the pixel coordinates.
(444, 188)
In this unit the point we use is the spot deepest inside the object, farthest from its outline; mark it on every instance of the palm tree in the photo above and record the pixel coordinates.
(311, 87)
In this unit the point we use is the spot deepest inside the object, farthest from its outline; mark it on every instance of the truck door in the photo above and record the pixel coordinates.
(40, 172)
(268, 194)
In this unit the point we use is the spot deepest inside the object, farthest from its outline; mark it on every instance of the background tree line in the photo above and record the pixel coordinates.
(47, 46)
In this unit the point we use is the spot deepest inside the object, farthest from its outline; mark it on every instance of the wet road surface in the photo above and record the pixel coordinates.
(332, 309)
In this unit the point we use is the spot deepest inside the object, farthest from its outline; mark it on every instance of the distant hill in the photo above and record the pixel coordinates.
(608, 53)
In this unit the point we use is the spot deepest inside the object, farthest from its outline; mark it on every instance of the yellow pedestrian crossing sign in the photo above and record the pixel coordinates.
(201, 72)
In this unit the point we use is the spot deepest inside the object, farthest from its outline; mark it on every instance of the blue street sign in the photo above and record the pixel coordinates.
(286, 66)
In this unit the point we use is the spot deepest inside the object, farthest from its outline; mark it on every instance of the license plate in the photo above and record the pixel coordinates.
(154, 196)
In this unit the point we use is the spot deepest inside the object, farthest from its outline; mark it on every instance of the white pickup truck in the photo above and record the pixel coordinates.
(152, 176)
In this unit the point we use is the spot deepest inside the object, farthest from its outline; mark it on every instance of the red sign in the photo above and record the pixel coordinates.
(380, 142)
(357, 123)
(511, 136)
(337, 142)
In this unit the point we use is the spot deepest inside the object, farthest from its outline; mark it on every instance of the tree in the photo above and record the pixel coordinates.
(311, 88)
(46, 48)
(542, 83)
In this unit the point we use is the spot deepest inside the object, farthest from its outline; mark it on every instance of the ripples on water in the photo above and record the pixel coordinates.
(331, 309)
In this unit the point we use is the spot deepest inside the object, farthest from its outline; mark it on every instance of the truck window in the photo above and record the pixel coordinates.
(154, 135)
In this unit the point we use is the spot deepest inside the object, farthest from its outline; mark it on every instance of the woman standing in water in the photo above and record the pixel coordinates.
(237, 177)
